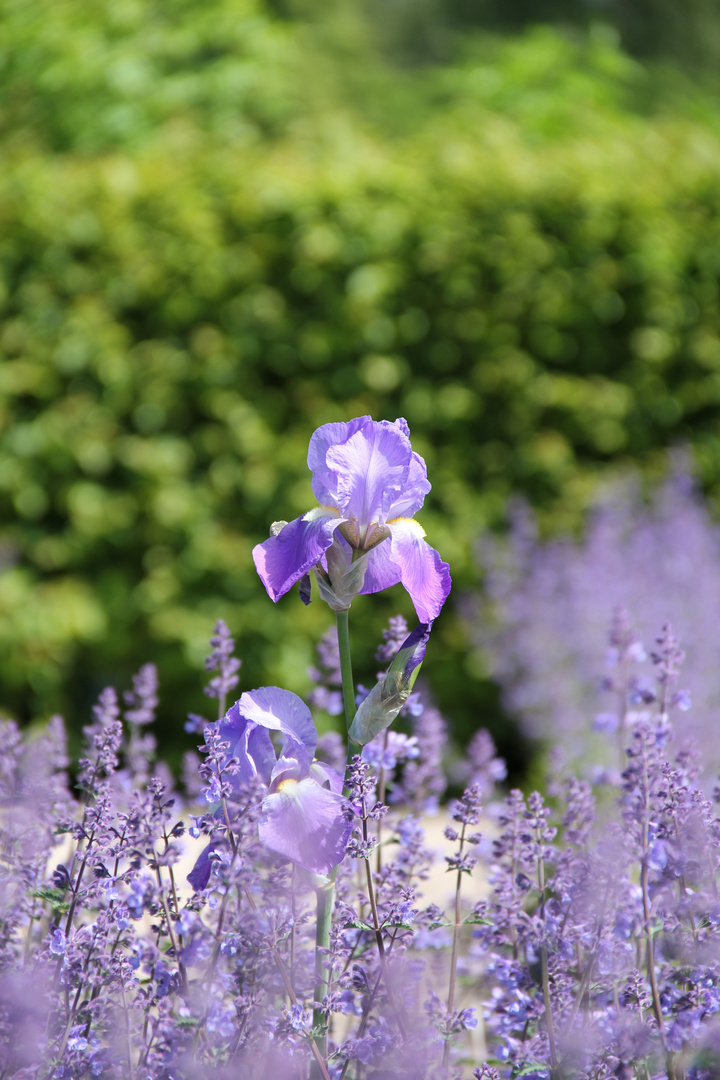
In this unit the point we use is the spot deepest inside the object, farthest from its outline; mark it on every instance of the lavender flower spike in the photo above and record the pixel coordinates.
(362, 538)
(387, 697)
(303, 814)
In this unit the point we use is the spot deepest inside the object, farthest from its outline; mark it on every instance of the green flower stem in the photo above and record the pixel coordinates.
(348, 686)
(326, 894)
(544, 967)
(455, 949)
(325, 897)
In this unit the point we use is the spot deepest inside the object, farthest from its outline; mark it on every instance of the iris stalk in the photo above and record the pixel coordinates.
(348, 686)
(326, 895)
(319, 1063)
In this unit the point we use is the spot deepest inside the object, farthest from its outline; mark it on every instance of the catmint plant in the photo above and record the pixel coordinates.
(541, 620)
(592, 951)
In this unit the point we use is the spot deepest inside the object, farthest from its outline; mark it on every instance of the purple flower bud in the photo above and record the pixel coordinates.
(657, 857)
(378, 710)
(299, 1018)
(58, 943)
(468, 1019)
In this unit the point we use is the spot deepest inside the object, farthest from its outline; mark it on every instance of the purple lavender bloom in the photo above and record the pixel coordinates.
(57, 944)
(327, 676)
(143, 698)
(221, 659)
(303, 815)
(387, 753)
(369, 483)
(393, 638)
(467, 1019)
(549, 604)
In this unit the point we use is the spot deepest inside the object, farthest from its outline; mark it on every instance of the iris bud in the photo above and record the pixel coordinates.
(390, 693)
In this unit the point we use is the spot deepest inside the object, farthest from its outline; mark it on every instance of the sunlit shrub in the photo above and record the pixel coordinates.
(181, 302)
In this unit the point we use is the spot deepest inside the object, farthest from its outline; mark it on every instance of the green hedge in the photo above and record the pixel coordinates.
(180, 312)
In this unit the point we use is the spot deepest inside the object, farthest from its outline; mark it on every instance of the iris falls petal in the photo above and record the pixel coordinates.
(422, 572)
(306, 823)
(284, 559)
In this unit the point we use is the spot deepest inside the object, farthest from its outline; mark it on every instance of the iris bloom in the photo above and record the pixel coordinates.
(362, 537)
(304, 815)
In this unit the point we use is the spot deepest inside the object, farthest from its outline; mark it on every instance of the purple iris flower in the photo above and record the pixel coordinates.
(369, 483)
(304, 815)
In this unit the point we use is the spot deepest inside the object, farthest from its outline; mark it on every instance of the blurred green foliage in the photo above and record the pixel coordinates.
(211, 241)
(685, 34)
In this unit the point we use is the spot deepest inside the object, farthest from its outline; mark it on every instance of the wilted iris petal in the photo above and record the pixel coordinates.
(369, 482)
(306, 823)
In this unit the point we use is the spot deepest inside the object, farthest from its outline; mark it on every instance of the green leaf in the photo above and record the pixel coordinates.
(530, 1067)
(473, 919)
(442, 922)
(55, 897)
